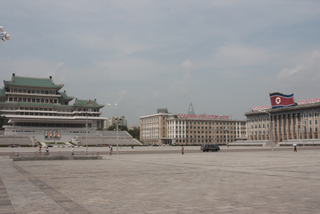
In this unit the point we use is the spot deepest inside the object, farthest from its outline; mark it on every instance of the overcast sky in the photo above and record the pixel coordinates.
(223, 56)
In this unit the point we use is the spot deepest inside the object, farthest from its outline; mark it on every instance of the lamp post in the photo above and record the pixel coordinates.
(116, 105)
(271, 137)
(226, 130)
(4, 36)
(299, 124)
(87, 131)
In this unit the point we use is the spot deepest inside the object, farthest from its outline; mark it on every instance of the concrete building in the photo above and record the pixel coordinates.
(37, 107)
(297, 124)
(132, 127)
(167, 128)
(113, 122)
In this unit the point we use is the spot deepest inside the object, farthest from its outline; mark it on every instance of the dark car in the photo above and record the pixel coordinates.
(14, 145)
(49, 145)
(98, 145)
(155, 145)
(209, 147)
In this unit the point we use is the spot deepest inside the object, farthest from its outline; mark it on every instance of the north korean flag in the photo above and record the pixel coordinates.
(279, 100)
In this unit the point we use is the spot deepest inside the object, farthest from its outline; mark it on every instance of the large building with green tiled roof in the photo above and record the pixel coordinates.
(36, 105)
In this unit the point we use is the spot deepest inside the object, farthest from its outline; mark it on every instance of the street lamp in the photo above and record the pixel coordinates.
(116, 105)
(271, 139)
(226, 130)
(4, 36)
(87, 131)
(299, 124)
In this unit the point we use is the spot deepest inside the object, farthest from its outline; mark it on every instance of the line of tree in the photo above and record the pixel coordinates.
(135, 133)
(3, 122)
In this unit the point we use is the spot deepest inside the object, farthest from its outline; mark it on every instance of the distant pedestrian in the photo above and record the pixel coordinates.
(72, 151)
(47, 150)
(111, 150)
(40, 149)
(295, 148)
(182, 150)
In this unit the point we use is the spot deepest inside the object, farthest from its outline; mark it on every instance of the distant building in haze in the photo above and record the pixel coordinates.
(190, 109)
(190, 129)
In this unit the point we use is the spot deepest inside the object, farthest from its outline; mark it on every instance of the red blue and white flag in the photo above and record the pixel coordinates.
(279, 100)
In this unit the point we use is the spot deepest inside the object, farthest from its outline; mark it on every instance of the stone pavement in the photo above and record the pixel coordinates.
(213, 182)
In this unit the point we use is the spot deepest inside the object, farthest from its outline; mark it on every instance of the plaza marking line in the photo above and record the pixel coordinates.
(66, 203)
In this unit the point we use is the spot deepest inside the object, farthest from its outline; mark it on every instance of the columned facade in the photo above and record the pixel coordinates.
(292, 123)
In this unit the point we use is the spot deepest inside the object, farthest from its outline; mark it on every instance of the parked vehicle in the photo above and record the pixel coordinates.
(209, 147)
(13, 145)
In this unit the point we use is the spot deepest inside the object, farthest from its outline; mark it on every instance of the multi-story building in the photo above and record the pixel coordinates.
(153, 128)
(122, 121)
(299, 123)
(36, 105)
(167, 128)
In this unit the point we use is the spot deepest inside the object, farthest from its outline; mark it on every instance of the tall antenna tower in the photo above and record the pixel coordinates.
(190, 109)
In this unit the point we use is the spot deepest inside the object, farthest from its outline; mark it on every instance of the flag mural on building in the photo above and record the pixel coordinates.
(279, 100)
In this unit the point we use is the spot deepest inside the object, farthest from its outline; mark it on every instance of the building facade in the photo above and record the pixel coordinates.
(153, 128)
(37, 104)
(113, 122)
(297, 123)
(166, 128)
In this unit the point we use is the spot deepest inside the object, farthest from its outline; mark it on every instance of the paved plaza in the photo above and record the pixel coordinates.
(234, 180)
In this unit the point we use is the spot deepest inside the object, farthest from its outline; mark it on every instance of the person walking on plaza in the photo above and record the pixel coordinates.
(72, 151)
(111, 150)
(47, 150)
(182, 150)
(295, 148)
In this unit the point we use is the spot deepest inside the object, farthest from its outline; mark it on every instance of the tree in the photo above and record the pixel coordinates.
(3, 121)
(135, 133)
(112, 128)
(121, 128)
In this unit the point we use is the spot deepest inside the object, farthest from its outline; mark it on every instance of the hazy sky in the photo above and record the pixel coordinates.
(223, 56)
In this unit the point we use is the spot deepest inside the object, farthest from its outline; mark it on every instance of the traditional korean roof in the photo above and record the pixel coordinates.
(33, 82)
(87, 103)
(65, 96)
(2, 92)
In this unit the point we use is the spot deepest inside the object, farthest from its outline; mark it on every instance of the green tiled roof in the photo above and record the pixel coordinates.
(36, 82)
(2, 92)
(87, 103)
(65, 96)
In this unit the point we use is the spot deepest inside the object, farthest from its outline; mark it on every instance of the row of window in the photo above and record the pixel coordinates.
(34, 100)
(47, 114)
(231, 132)
(150, 119)
(276, 138)
(208, 123)
(30, 91)
(40, 109)
(194, 127)
(195, 136)
(201, 141)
